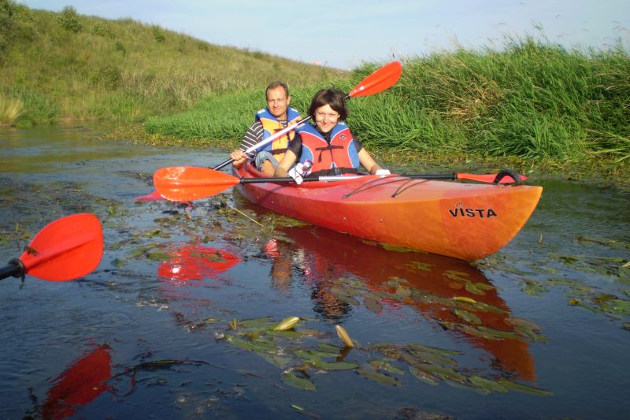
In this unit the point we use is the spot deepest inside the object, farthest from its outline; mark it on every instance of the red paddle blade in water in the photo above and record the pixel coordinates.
(65, 249)
(154, 196)
(79, 385)
(196, 262)
(187, 183)
(383, 78)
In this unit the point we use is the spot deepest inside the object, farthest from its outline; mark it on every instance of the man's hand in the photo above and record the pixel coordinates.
(238, 158)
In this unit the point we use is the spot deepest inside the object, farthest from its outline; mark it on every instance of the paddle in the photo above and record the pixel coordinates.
(63, 250)
(187, 183)
(380, 80)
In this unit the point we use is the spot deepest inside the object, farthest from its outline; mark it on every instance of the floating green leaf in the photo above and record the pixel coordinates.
(424, 376)
(385, 365)
(487, 384)
(373, 375)
(297, 382)
(318, 363)
(467, 316)
(441, 372)
(528, 332)
(524, 388)
(257, 323)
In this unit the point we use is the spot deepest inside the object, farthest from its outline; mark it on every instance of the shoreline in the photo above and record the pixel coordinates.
(601, 172)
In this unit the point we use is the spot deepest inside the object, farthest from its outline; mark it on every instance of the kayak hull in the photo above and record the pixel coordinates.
(461, 220)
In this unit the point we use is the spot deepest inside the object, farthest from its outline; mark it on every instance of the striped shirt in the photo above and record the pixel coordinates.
(253, 135)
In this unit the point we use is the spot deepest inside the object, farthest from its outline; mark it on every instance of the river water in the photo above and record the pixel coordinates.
(175, 321)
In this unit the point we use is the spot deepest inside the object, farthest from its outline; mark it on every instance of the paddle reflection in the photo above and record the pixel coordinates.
(184, 281)
(79, 384)
(190, 264)
(344, 273)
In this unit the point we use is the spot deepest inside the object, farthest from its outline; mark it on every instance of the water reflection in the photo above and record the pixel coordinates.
(344, 271)
(187, 279)
(79, 384)
(191, 264)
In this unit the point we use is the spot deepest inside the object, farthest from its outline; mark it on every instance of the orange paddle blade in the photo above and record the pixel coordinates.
(383, 78)
(65, 249)
(187, 183)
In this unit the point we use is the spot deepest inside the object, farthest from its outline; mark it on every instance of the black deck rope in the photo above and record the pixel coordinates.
(507, 172)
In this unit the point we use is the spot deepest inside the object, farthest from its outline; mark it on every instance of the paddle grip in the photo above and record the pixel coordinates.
(15, 268)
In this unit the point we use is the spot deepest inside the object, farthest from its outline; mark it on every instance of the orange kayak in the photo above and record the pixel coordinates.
(461, 220)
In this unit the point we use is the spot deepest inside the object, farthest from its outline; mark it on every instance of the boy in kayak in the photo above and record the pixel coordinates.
(328, 144)
(276, 116)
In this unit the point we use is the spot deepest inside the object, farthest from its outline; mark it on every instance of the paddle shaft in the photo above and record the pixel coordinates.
(451, 176)
(306, 178)
(13, 269)
(266, 141)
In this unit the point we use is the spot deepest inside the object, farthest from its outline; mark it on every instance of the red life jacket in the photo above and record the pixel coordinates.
(337, 157)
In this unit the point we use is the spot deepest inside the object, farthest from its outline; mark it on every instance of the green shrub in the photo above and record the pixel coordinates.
(69, 20)
(101, 29)
(120, 47)
(158, 35)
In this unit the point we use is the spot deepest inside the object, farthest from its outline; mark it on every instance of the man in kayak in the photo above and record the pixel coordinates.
(276, 116)
(328, 144)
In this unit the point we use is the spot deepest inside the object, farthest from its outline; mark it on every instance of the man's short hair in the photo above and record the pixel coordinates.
(276, 85)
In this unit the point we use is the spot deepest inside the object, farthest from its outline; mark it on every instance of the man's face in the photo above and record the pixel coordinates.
(278, 102)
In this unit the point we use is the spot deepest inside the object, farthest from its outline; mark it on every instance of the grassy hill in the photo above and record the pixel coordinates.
(56, 66)
(527, 104)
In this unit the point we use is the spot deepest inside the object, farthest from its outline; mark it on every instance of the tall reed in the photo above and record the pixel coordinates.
(532, 100)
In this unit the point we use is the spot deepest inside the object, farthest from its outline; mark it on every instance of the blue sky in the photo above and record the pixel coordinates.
(345, 33)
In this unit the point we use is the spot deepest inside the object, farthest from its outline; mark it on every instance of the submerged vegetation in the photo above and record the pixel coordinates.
(530, 103)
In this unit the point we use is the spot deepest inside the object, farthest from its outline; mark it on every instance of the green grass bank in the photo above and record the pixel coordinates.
(529, 104)
(65, 66)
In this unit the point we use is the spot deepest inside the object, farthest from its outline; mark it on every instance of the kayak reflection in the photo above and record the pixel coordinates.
(344, 271)
(79, 384)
